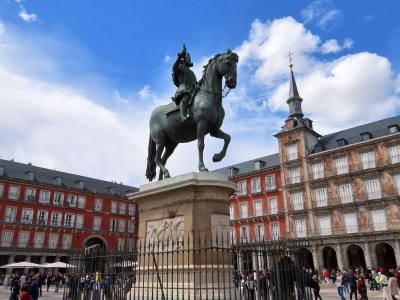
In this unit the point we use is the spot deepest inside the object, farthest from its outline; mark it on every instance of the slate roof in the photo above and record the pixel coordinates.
(249, 166)
(20, 171)
(353, 135)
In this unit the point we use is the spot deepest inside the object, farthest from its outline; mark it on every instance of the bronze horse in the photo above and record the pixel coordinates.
(167, 129)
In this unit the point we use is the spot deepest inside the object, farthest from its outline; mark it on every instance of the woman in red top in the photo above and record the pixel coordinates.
(326, 275)
(362, 288)
(25, 293)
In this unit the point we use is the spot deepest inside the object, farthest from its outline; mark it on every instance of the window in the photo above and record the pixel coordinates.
(69, 220)
(122, 208)
(341, 142)
(114, 206)
(257, 206)
(232, 212)
(373, 188)
(275, 230)
(132, 210)
(273, 205)
(38, 240)
(121, 225)
(13, 192)
(244, 233)
(44, 196)
(297, 201)
(27, 215)
(341, 165)
(232, 235)
(318, 170)
(79, 221)
(30, 194)
(321, 197)
(350, 223)
(7, 238)
(324, 225)
(131, 226)
(53, 240)
(81, 201)
(96, 223)
(368, 160)
(113, 225)
(242, 188)
(11, 213)
(259, 232)
(130, 245)
(394, 154)
(72, 200)
(365, 136)
(2, 171)
(294, 176)
(67, 241)
(379, 219)
(55, 219)
(81, 185)
(292, 152)
(121, 244)
(58, 198)
(393, 129)
(42, 217)
(98, 204)
(233, 172)
(23, 239)
(300, 226)
(58, 181)
(255, 185)
(243, 210)
(1, 190)
(345, 193)
(397, 182)
(30, 176)
(270, 182)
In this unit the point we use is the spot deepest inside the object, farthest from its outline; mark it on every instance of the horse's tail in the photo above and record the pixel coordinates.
(151, 164)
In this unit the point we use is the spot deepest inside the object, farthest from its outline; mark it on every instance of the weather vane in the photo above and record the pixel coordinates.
(290, 59)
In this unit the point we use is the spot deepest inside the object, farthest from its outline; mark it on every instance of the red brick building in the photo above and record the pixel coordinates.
(46, 213)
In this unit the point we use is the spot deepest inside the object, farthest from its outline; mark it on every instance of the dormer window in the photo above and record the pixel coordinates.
(259, 164)
(393, 129)
(318, 148)
(233, 171)
(112, 190)
(58, 181)
(365, 136)
(341, 142)
(30, 175)
(2, 170)
(80, 185)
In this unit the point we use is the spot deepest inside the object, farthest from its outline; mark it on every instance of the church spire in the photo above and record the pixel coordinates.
(294, 100)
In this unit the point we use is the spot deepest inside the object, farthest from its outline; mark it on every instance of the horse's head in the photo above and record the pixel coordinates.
(227, 66)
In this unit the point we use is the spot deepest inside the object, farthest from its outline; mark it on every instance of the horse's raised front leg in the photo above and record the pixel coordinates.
(201, 131)
(227, 139)
(163, 171)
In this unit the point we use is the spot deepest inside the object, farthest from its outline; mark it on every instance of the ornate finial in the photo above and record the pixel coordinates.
(290, 59)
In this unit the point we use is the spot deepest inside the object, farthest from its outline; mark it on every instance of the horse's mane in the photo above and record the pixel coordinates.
(229, 52)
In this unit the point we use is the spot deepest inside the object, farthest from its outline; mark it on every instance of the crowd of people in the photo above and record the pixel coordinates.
(356, 282)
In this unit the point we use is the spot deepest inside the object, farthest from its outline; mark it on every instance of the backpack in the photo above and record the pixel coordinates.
(250, 284)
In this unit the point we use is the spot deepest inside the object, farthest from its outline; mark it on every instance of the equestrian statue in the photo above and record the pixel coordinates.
(195, 111)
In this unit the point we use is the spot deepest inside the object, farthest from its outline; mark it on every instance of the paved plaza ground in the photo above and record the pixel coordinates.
(328, 292)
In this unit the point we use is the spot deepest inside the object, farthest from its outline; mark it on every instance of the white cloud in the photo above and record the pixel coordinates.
(322, 13)
(2, 28)
(332, 46)
(29, 18)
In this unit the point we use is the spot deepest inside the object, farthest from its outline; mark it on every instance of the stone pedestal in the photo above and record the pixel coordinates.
(183, 247)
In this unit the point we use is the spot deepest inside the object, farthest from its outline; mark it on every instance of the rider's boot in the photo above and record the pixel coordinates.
(184, 111)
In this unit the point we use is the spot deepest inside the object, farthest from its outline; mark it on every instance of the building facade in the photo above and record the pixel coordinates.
(44, 214)
(340, 192)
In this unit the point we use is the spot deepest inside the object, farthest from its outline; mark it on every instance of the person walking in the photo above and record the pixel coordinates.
(57, 282)
(345, 283)
(326, 275)
(352, 280)
(25, 293)
(362, 288)
(34, 288)
(392, 285)
(339, 284)
(333, 275)
(385, 287)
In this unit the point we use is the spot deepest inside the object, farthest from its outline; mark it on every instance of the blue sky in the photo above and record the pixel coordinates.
(79, 79)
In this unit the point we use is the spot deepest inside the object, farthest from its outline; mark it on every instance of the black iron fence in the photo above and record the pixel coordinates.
(193, 268)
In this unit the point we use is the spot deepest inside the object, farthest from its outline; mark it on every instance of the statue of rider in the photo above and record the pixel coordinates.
(185, 80)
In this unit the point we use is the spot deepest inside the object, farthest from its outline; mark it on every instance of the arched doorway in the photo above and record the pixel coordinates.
(95, 241)
(355, 256)
(304, 258)
(385, 256)
(329, 258)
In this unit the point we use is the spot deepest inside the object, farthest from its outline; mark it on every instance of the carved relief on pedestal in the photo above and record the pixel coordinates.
(166, 232)
(220, 230)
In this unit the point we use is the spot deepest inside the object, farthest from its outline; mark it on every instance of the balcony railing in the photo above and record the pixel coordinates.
(294, 180)
(258, 214)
